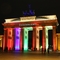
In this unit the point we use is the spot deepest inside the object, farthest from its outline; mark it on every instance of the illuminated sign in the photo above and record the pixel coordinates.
(26, 24)
(27, 18)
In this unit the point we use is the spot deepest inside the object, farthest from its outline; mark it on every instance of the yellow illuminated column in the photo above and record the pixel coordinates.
(37, 37)
(54, 39)
(1, 39)
(58, 42)
(46, 32)
(0, 42)
(46, 37)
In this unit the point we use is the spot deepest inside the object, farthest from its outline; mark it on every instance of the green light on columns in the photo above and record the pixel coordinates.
(25, 39)
(26, 29)
(26, 44)
(29, 28)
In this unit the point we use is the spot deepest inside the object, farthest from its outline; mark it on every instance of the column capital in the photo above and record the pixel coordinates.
(5, 28)
(43, 26)
(54, 26)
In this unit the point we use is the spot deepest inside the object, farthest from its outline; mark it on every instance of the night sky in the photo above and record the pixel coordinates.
(15, 8)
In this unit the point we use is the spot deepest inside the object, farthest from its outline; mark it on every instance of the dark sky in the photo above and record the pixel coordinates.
(14, 8)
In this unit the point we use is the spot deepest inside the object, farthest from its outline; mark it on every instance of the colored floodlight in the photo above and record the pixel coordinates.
(17, 38)
(46, 32)
(26, 29)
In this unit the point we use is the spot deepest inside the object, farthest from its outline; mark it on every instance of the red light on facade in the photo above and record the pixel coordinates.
(21, 40)
(10, 39)
(43, 39)
(54, 45)
(4, 42)
(33, 40)
(33, 44)
(4, 39)
(54, 39)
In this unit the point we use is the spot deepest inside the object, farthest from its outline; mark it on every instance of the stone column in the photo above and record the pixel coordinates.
(21, 39)
(34, 39)
(37, 39)
(5, 39)
(43, 40)
(54, 39)
(10, 38)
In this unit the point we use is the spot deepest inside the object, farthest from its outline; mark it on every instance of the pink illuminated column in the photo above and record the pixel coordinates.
(5, 39)
(43, 40)
(34, 38)
(17, 38)
(54, 39)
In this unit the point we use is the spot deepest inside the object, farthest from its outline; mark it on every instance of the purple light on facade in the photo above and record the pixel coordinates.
(17, 38)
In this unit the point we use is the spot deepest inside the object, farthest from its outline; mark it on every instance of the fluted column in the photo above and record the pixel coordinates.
(37, 38)
(5, 39)
(34, 38)
(43, 39)
(21, 39)
(10, 38)
(54, 39)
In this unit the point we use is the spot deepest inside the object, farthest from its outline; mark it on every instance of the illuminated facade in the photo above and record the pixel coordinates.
(16, 32)
(1, 40)
(58, 41)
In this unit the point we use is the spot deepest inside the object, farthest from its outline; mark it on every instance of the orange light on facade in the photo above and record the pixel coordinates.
(4, 39)
(1, 40)
(43, 40)
(54, 39)
(4, 42)
(58, 41)
(33, 39)
(37, 23)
